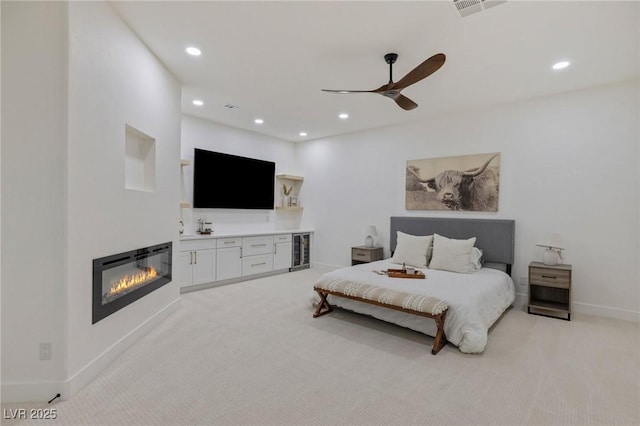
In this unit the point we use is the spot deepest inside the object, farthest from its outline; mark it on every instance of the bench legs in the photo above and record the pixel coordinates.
(324, 307)
(440, 339)
(438, 343)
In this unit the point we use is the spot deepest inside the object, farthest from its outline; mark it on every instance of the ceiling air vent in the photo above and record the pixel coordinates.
(469, 7)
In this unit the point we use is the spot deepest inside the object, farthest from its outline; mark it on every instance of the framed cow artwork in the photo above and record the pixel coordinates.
(464, 183)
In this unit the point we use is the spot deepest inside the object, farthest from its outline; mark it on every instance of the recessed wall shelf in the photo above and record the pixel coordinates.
(184, 204)
(139, 161)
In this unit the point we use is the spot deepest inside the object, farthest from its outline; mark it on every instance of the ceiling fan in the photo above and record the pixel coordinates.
(392, 90)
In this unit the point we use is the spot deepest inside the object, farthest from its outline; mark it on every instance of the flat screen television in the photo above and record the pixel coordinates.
(225, 181)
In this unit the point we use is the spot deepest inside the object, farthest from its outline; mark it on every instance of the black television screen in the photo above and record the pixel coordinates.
(227, 181)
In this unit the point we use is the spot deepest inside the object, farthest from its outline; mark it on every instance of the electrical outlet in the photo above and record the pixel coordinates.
(45, 351)
(524, 281)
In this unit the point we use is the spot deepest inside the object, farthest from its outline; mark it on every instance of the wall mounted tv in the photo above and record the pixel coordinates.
(224, 181)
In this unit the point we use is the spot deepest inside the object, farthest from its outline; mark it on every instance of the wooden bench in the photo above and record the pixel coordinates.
(426, 306)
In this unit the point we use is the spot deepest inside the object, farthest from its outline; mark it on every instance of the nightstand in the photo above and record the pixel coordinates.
(550, 289)
(363, 254)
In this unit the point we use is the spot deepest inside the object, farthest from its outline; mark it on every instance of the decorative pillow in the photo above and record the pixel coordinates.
(476, 258)
(412, 250)
(452, 255)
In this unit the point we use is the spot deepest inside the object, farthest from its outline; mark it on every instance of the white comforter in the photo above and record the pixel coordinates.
(475, 300)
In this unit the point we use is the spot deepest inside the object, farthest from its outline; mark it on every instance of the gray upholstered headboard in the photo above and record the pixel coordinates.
(496, 237)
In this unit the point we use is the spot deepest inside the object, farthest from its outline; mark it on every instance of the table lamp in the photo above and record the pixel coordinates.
(370, 232)
(554, 244)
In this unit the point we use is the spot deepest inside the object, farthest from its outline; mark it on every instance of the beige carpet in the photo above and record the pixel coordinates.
(250, 353)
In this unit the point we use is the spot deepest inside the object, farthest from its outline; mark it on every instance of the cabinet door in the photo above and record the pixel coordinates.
(282, 256)
(229, 263)
(204, 266)
(185, 270)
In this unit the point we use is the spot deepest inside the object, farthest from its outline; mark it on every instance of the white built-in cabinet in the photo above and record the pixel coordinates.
(229, 257)
(257, 255)
(210, 260)
(282, 251)
(197, 262)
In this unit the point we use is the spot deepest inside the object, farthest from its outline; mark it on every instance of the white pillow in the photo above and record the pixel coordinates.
(476, 258)
(412, 250)
(452, 255)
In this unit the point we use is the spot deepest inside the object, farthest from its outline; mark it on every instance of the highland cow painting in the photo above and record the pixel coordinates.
(465, 183)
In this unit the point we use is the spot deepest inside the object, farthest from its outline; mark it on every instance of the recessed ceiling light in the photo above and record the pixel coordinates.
(194, 51)
(258, 121)
(198, 102)
(344, 116)
(560, 65)
(303, 133)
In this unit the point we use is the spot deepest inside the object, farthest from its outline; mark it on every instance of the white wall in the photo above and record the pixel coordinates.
(203, 134)
(74, 75)
(34, 51)
(569, 164)
(114, 80)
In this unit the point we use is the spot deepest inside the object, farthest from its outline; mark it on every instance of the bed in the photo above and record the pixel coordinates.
(475, 300)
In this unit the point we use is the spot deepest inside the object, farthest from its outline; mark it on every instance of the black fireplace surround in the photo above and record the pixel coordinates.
(121, 279)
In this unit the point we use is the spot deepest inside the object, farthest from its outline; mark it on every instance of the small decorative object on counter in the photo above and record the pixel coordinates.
(204, 227)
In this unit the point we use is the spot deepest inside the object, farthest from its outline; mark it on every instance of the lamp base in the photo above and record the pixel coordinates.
(550, 257)
(368, 242)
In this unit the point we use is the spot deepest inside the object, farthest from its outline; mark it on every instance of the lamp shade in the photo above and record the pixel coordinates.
(552, 240)
(370, 230)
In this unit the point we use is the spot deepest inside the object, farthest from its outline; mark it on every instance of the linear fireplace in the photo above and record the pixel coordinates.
(121, 279)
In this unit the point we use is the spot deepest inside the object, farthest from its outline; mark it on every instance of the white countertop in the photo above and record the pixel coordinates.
(227, 234)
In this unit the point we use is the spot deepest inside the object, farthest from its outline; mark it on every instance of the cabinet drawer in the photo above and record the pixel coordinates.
(257, 245)
(364, 255)
(257, 264)
(549, 277)
(282, 238)
(194, 245)
(229, 242)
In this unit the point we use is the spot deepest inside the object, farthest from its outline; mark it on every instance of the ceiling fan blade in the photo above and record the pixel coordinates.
(380, 89)
(423, 70)
(405, 103)
(348, 91)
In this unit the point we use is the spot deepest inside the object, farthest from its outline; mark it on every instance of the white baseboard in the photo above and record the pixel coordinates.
(44, 391)
(587, 309)
(86, 374)
(605, 311)
(326, 266)
(30, 391)
(521, 301)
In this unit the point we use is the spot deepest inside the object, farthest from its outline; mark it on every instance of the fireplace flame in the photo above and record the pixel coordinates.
(129, 281)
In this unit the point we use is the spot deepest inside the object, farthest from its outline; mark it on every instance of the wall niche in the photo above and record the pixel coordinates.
(139, 161)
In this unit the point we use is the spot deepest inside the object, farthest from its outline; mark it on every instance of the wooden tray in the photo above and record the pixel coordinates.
(397, 273)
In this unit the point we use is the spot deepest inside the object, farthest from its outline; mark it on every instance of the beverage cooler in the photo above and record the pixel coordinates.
(301, 251)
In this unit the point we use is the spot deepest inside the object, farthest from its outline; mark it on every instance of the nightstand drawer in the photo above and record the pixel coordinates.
(363, 255)
(550, 277)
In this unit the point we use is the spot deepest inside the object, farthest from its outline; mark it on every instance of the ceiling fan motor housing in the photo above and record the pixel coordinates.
(390, 58)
